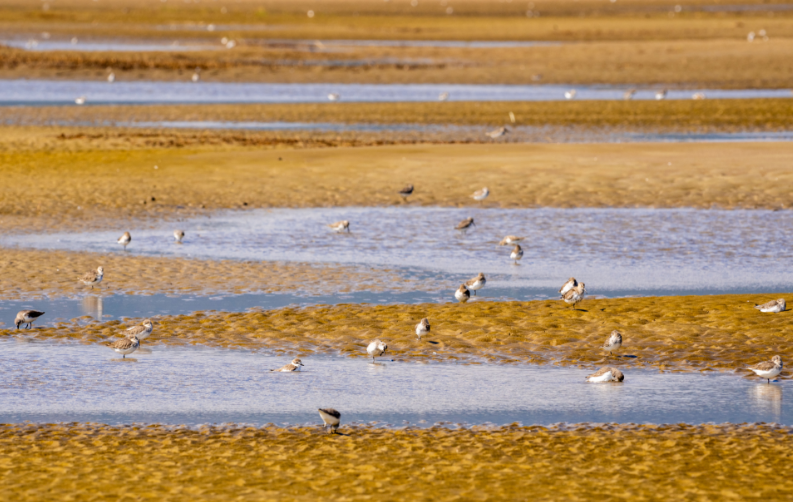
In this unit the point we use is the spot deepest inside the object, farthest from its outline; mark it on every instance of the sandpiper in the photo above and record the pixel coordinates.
(80, 100)
(575, 295)
(443, 96)
(465, 224)
(142, 331)
(509, 240)
(93, 278)
(768, 369)
(125, 346)
(405, 192)
(27, 317)
(516, 254)
(606, 374)
(293, 366)
(497, 133)
(331, 417)
(111, 77)
(772, 306)
(570, 284)
(570, 94)
(698, 96)
(481, 195)
(196, 75)
(476, 283)
(178, 235)
(125, 239)
(660, 95)
(614, 342)
(333, 96)
(340, 226)
(628, 95)
(376, 348)
(422, 328)
(462, 294)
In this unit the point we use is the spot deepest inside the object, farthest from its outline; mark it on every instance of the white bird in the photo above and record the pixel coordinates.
(606, 374)
(570, 94)
(570, 284)
(111, 78)
(376, 348)
(293, 366)
(517, 253)
(125, 239)
(333, 96)
(125, 346)
(462, 294)
(331, 418)
(93, 278)
(443, 96)
(422, 328)
(628, 95)
(80, 100)
(178, 235)
(497, 133)
(774, 306)
(27, 317)
(509, 240)
(768, 369)
(141, 331)
(660, 95)
(196, 75)
(698, 96)
(340, 226)
(481, 195)
(476, 283)
(575, 295)
(614, 342)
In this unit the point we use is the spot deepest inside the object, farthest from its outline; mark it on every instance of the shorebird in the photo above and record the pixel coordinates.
(606, 374)
(331, 417)
(333, 96)
(462, 294)
(660, 95)
(125, 239)
(614, 342)
(698, 95)
(125, 346)
(27, 317)
(569, 94)
(465, 224)
(481, 195)
(405, 192)
(516, 254)
(376, 348)
(422, 328)
(340, 226)
(628, 95)
(443, 96)
(575, 295)
(178, 235)
(293, 366)
(570, 284)
(476, 283)
(111, 78)
(772, 306)
(196, 75)
(141, 331)
(509, 240)
(768, 369)
(80, 100)
(93, 278)
(497, 133)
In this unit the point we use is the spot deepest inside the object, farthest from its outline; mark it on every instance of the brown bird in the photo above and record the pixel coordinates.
(462, 294)
(125, 346)
(465, 224)
(405, 192)
(477, 282)
(331, 417)
(27, 317)
(606, 374)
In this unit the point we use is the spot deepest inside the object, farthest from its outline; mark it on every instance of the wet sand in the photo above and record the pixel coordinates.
(303, 463)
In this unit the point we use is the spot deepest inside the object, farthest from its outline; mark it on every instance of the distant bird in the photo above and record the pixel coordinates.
(125, 239)
(772, 306)
(768, 369)
(178, 235)
(422, 328)
(465, 224)
(481, 195)
(333, 96)
(125, 346)
(376, 348)
(497, 133)
(331, 418)
(509, 240)
(628, 95)
(405, 192)
(141, 331)
(340, 226)
(293, 366)
(606, 374)
(750, 37)
(516, 254)
(443, 96)
(196, 75)
(698, 96)
(570, 284)
(93, 278)
(570, 94)
(27, 317)
(614, 342)
(462, 294)
(111, 78)
(575, 295)
(80, 100)
(660, 95)
(476, 283)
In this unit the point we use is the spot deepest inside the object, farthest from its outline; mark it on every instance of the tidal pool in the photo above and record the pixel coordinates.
(77, 383)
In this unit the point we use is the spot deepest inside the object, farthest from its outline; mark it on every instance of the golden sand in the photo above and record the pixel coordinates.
(668, 462)
(678, 333)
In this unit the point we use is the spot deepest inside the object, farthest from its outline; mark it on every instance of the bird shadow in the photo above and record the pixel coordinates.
(434, 343)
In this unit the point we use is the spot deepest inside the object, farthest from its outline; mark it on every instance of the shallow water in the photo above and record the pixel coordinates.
(50, 92)
(616, 252)
(33, 44)
(54, 383)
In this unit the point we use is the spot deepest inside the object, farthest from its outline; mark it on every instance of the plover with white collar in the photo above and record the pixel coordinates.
(768, 369)
(775, 306)
(93, 278)
(293, 366)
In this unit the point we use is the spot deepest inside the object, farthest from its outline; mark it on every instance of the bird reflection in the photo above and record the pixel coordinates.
(92, 305)
(768, 399)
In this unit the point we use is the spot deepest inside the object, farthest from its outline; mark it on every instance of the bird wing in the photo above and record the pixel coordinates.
(764, 366)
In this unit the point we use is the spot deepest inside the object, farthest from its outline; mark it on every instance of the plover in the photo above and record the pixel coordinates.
(575, 295)
(476, 283)
(93, 278)
(405, 192)
(80, 100)
(497, 133)
(606, 374)
(443, 96)
(516, 254)
(111, 78)
(481, 195)
(125, 239)
(570, 284)
(768, 369)
(614, 342)
(772, 306)
(698, 96)
(125, 346)
(333, 96)
(465, 224)
(178, 235)
(142, 331)
(340, 226)
(570, 94)
(628, 95)
(293, 366)
(509, 240)
(331, 417)
(27, 317)
(660, 95)
(376, 348)
(196, 75)
(462, 294)
(422, 328)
